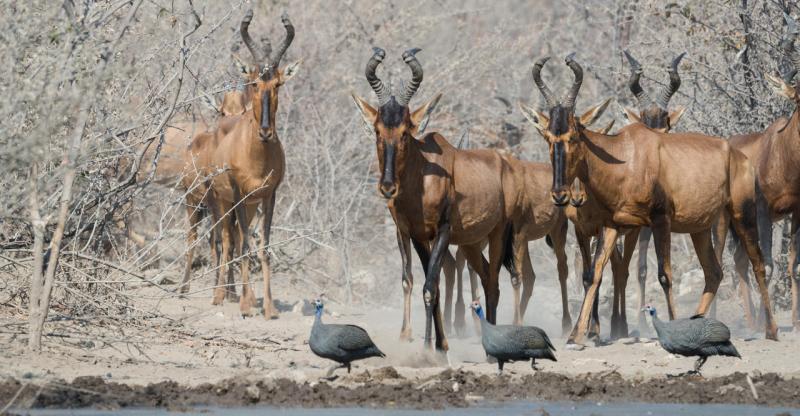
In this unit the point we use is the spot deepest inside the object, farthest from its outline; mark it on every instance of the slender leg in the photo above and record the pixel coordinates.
(500, 366)
(194, 216)
(492, 290)
(641, 273)
(609, 238)
(719, 238)
(794, 248)
(559, 239)
(587, 264)
(711, 270)
(230, 288)
(520, 247)
(460, 310)
(619, 327)
(268, 207)
(403, 243)
(224, 231)
(244, 214)
(430, 290)
(765, 233)
(741, 264)
(661, 238)
(449, 270)
(528, 280)
(744, 223)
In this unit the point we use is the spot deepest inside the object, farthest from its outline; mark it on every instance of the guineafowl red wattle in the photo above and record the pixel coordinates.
(693, 337)
(341, 343)
(508, 343)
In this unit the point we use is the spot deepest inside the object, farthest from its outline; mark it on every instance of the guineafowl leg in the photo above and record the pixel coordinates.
(348, 367)
(662, 239)
(641, 273)
(500, 364)
(533, 364)
(609, 238)
(699, 364)
(404, 244)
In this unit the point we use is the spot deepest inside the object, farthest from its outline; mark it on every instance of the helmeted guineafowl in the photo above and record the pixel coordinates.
(508, 343)
(341, 343)
(693, 337)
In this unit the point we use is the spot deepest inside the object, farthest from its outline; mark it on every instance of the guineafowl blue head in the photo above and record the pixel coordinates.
(318, 306)
(649, 309)
(476, 306)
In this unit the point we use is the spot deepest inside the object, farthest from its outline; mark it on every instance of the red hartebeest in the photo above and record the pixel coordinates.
(439, 195)
(653, 113)
(775, 153)
(639, 177)
(245, 166)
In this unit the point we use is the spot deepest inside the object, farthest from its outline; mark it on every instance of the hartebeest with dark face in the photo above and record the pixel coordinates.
(653, 113)
(246, 166)
(775, 153)
(639, 177)
(438, 195)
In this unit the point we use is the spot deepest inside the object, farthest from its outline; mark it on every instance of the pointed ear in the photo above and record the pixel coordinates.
(781, 87)
(368, 114)
(594, 113)
(630, 115)
(290, 71)
(675, 116)
(539, 120)
(421, 116)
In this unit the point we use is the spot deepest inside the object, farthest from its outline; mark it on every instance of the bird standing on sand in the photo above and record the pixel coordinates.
(341, 343)
(509, 343)
(693, 337)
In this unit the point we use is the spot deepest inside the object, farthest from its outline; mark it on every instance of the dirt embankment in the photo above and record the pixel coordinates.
(385, 387)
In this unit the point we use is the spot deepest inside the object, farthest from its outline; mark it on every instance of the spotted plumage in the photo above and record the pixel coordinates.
(694, 337)
(341, 343)
(508, 343)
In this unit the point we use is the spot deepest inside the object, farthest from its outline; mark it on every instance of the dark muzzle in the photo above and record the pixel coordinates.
(387, 186)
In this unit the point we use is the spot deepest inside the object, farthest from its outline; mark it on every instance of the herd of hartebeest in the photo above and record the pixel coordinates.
(642, 181)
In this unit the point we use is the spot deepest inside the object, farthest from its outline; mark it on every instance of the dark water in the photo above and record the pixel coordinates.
(513, 409)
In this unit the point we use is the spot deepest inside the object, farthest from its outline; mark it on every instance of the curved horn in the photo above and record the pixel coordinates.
(577, 70)
(633, 82)
(248, 41)
(416, 76)
(275, 60)
(674, 83)
(377, 85)
(536, 72)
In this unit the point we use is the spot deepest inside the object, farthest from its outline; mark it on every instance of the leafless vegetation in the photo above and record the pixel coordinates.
(85, 84)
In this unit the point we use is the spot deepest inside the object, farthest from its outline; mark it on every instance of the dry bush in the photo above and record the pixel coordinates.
(85, 85)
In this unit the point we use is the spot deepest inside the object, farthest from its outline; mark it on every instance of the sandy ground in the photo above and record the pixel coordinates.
(200, 344)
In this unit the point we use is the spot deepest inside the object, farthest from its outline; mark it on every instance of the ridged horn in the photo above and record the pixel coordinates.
(662, 100)
(381, 91)
(248, 41)
(536, 72)
(409, 57)
(634, 84)
(275, 60)
(577, 70)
